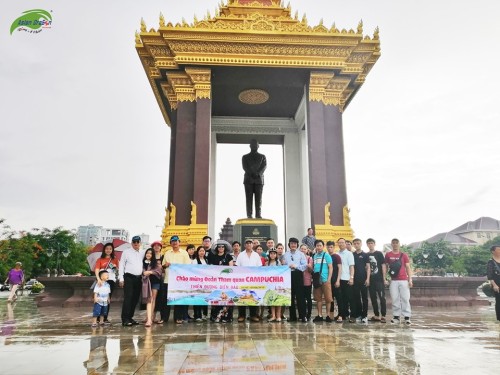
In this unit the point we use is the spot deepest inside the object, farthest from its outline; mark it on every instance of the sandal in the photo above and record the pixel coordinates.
(374, 319)
(147, 325)
(180, 321)
(382, 319)
(339, 319)
(159, 321)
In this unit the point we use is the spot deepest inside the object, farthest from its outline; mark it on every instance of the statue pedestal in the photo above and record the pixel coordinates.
(255, 229)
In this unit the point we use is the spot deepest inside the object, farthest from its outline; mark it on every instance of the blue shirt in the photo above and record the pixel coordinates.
(298, 258)
(317, 264)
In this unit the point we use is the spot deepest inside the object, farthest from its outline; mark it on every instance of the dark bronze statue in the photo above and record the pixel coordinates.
(254, 165)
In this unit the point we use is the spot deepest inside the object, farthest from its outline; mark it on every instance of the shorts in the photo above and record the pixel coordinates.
(155, 286)
(326, 290)
(99, 310)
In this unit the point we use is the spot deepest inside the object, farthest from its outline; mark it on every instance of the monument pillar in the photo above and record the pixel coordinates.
(327, 179)
(189, 94)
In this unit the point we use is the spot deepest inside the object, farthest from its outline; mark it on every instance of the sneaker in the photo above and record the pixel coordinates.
(318, 319)
(407, 321)
(217, 320)
(94, 325)
(395, 320)
(328, 319)
(107, 322)
(359, 320)
(205, 317)
(199, 320)
(364, 320)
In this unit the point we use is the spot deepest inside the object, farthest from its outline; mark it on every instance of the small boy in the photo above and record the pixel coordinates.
(101, 298)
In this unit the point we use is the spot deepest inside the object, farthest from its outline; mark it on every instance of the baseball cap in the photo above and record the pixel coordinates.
(248, 241)
(174, 238)
(136, 239)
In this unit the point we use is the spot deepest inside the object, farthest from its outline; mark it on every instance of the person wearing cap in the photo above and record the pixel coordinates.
(248, 258)
(175, 256)
(161, 299)
(130, 279)
(15, 277)
(297, 262)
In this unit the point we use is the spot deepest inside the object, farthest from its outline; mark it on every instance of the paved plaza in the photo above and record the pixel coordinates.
(60, 341)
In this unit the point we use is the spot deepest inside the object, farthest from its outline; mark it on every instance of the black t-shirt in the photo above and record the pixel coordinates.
(376, 261)
(220, 260)
(360, 261)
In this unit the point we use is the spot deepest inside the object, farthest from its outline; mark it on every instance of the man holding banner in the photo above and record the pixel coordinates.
(248, 258)
(176, 256)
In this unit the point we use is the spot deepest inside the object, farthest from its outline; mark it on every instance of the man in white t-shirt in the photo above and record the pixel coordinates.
(248, 258)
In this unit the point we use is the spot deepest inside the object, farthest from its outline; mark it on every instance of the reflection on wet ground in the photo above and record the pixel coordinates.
(61, 341)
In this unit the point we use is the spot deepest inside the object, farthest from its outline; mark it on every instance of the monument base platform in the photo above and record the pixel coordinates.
(255, 229)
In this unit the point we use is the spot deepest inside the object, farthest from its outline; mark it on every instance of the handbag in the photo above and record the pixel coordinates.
(395, 267)
(317, 275)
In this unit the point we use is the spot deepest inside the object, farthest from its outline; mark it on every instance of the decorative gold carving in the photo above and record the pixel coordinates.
(182, 86)
(253, 96)
(193, 213)
(255, 33)
(173, 213)
(137, 38)
(347, 218)
(327, 214)
(201, 78)
(329, 89)
(167, 218)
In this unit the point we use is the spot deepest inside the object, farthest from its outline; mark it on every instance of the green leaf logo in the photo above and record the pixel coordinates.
(226, 270)
(33, 19)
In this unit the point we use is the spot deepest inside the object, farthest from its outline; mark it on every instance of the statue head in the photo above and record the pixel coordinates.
(254, 145)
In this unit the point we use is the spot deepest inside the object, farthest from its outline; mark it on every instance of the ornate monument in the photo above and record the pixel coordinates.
(255, 70)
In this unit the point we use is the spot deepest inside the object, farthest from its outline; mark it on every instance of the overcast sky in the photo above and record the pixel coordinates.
(82, 139)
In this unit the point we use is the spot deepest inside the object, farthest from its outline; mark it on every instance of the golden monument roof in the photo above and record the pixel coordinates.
(257, 33)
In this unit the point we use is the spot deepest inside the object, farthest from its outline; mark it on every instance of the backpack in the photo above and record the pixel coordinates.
(395, 267)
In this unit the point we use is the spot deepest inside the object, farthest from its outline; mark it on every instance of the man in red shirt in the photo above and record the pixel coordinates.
(399, 269)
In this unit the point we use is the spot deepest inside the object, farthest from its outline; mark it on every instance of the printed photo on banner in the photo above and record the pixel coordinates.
(229, 286)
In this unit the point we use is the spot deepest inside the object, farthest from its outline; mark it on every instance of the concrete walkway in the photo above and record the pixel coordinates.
(61, 341)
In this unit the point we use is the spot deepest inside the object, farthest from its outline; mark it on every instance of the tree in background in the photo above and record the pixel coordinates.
(32, 249)
(439, 257)
(433, 258)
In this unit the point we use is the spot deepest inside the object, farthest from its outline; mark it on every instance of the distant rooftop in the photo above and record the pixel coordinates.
(471, 233)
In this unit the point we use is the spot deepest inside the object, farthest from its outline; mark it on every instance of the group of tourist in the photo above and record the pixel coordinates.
(347, 277)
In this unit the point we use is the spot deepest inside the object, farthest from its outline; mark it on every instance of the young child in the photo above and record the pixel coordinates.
(274, 261)
(101, 298)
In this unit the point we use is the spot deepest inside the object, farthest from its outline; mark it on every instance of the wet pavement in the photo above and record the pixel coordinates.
(60, 341)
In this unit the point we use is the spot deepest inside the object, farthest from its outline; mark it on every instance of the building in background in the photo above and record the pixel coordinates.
(92, 234)
(471, 233)
(89, 235)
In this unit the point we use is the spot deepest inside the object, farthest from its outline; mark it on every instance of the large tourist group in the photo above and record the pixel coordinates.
(339, 276)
